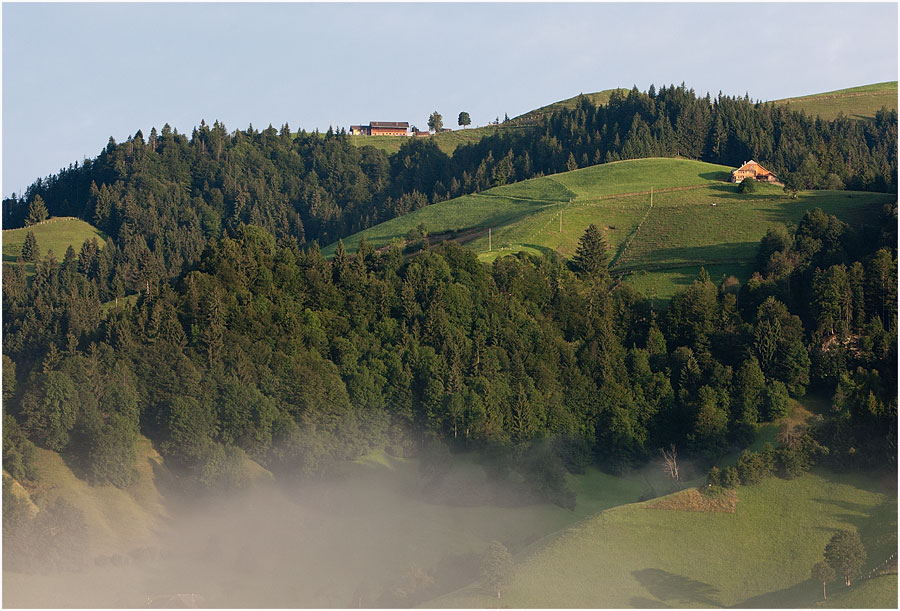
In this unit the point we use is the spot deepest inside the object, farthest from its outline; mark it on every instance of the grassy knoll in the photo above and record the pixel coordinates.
(856, 103)
(54, 234)
(697, 220)
(758, 556)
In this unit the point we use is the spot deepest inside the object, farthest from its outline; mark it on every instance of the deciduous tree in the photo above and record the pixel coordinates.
(846, 553)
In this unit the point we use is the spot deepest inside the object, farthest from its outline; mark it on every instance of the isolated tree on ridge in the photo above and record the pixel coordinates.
(435, 121)
(37, 211)
(464, 119)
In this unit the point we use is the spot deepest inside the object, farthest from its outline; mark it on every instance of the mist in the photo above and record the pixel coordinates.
(379, 532)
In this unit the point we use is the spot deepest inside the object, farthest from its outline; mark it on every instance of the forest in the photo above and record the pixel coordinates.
(210, 322)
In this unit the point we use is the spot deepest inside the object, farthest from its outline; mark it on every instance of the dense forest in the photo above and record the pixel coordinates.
(266, 350)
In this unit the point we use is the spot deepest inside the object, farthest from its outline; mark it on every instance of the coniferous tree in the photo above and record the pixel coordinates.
(590, 255)
(30, 252)
(37, 211)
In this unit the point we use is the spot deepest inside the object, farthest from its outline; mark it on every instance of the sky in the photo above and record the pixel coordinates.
(75, 74)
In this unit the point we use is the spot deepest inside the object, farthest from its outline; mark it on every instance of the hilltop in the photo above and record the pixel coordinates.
(55, 234)
(856, 102)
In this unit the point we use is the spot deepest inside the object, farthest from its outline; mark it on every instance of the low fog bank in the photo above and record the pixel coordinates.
(380, 532)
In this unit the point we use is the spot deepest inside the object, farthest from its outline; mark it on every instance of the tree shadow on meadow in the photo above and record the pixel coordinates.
(803, 594)
(674, 590)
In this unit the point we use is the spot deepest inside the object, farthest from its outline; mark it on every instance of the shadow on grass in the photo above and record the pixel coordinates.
(802, 595)
(723, 176)
(676, 590)
(714, 254)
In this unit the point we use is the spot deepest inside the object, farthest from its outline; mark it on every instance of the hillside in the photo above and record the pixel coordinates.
(596, 98)
(856, 102)
(758, 556)
(55, 234)
(697, 219)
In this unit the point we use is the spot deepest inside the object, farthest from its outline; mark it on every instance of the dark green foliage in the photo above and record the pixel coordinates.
(262, 348)
(823, 573)
(18, 451)
(464, 119)
(753, 467)
(730, 478)
(774, 401)
(37, 211)
(747, 186)
(50, 409)
(797, 452)
(30, 251)
(435, 121)
(845, 553)
(590, 255)
(496, 567)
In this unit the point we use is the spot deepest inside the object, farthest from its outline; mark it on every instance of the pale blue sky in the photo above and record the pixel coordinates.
(76, 74)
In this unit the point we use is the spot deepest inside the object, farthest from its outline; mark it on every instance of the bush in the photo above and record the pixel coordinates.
(753, 467)
(731, 479)
(748, 185)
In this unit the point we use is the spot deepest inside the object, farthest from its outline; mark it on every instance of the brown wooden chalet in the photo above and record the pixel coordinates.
(381, 128)
(751, 169)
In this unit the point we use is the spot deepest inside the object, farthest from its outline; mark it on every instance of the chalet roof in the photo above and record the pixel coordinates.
(750, 164)
(390, 124)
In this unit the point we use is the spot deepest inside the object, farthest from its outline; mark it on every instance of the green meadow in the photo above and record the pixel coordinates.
(55, 234)
(445, 141)
(856, 103)
(759, 556)
(696, 219)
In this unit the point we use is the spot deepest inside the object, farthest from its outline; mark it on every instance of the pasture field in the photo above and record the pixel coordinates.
(696, 219)
(54, 234)
(856, 103)
(446, 141)
(758, 556)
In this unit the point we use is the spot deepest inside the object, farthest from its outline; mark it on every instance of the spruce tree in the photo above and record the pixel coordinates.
(30, 251)
(590, 256)
(37, 211)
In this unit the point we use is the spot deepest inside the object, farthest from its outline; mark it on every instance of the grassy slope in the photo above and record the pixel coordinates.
(660, 249)
(759, 556)
(599, 98)
(54, 234)
(856, 103)
(446, 141)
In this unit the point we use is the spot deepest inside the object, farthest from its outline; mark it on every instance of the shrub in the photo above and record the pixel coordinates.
(748, 185)
(753, 467)
(731, 479)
